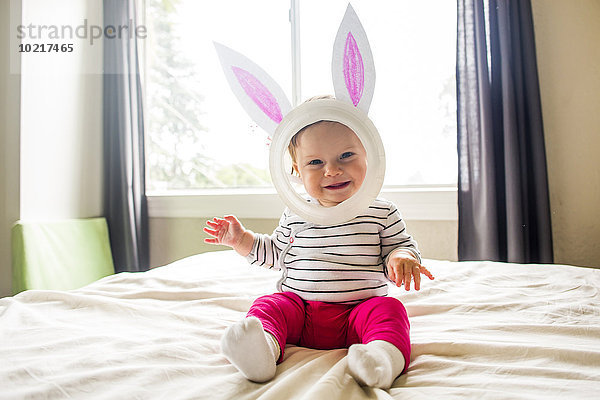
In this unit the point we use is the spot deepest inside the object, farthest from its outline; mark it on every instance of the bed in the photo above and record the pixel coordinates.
(480, 330)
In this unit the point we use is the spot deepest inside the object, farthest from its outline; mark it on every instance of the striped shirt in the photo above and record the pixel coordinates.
(341, 263)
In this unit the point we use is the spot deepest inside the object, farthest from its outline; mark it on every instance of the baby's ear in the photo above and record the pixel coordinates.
(295, 176)
(352, 66)
(258, 93)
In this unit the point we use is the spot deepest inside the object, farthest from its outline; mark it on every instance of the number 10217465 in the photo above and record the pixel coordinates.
(45, 48)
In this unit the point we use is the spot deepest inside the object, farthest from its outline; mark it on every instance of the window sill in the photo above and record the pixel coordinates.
(415, 203)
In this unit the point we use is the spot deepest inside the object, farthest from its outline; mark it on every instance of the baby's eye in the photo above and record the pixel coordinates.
(315, 162)
(347, 154)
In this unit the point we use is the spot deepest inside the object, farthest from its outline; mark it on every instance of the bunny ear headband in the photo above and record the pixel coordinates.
(263, 99)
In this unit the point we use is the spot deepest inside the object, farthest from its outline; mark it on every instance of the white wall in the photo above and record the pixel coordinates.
(568, 54)
(174, 238)
(51, 143)
(61, 118)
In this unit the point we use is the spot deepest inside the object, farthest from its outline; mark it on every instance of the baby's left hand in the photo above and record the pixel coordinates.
(401, 266)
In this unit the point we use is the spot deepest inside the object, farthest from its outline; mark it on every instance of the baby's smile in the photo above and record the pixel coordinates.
(338, 186)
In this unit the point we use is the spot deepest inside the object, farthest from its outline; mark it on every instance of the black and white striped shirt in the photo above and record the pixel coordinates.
(341, 263)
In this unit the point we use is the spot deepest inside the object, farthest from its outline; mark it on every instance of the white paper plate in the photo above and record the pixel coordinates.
(355, 119)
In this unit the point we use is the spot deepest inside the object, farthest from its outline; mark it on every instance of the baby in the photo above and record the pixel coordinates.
(332, 293)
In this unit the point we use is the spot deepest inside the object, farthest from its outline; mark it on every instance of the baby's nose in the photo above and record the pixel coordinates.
(332, 169)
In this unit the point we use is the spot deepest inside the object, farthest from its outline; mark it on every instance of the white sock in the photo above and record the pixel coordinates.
(375, 364)
(253, 351)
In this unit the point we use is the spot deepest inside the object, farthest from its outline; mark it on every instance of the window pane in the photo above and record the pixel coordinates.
(197, 134)
(414, 105)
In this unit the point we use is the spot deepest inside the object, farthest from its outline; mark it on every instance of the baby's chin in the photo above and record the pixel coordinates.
(332, 202)
(325, 203)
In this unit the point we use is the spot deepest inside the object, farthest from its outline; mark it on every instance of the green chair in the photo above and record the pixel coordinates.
(60, 255)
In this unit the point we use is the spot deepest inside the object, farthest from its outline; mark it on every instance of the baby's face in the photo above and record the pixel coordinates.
(331, 162)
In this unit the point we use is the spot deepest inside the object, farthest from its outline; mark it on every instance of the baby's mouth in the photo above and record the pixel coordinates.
(338, 186)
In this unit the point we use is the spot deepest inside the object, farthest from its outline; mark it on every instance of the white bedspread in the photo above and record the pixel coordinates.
(480, 330)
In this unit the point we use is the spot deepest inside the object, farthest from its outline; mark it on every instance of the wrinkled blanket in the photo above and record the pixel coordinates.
(479, 330)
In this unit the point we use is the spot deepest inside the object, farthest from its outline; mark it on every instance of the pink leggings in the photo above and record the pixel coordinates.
(326, 326)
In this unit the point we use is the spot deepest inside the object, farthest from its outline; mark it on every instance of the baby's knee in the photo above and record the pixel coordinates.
(388, 304)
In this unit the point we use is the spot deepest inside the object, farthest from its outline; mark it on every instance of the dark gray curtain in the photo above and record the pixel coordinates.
(503, 203)
(125, 205)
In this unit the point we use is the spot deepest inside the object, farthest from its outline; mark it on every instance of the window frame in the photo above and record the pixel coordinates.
(417, 202)
(427, 203)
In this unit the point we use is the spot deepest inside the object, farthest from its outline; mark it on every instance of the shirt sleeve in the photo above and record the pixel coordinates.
(394, 236)
(267, 248)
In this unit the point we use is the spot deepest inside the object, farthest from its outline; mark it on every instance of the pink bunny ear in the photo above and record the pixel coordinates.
(353, 70)
(261, 97)
(259, 93)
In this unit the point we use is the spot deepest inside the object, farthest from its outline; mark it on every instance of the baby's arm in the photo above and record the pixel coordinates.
(400, 253)
(229, 231)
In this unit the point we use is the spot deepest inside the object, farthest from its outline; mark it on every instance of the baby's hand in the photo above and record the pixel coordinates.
(227, 231)
(401, 266)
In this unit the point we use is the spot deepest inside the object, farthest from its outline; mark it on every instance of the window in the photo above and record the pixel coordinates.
(414, 105)
(197, 134)
(200, 138)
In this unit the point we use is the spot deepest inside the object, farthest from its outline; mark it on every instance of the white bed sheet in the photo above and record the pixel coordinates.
(480, 330)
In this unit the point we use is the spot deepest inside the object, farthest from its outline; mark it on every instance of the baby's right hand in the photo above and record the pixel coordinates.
(227, 231)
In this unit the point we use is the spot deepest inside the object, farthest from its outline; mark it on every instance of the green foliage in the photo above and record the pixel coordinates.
(244, 175)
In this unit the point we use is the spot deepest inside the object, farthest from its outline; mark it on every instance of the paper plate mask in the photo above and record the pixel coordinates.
(354, 82)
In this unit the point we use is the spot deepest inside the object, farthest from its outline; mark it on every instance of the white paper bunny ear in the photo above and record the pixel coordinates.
(261, 97)
(353, 70)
